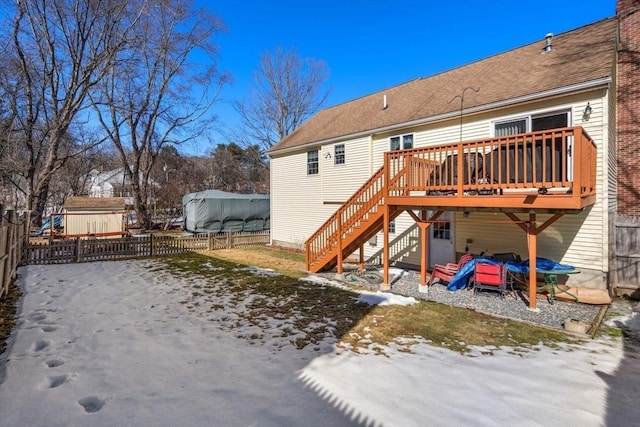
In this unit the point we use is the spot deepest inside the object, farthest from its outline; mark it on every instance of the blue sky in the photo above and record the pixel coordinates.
(372, 45)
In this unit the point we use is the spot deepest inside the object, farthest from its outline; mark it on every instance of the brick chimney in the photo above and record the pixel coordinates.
(628, 107)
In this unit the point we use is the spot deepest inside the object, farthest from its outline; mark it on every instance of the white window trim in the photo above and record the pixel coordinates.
(530, 117)
(344, 155)
(401, 136)
(508, 120)
(317, 163)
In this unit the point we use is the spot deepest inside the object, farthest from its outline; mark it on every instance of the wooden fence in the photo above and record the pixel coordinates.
(13, 230)
(83, 250)
(627, 255)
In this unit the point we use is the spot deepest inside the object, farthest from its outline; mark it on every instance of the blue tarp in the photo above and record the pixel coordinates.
(57, 223)
(460, 280)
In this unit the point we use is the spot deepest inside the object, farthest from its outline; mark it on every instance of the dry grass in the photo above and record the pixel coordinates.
(438, 324)
(284, 262)
(7, 315)
(319, 311)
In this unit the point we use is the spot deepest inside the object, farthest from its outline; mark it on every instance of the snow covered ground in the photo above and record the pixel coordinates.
(111, 344)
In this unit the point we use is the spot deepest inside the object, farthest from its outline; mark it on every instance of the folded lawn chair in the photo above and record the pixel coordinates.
(492, 277)
(446, 272)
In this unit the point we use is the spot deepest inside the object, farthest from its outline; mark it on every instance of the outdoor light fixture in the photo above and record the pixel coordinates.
(542, 190)
(587, 112)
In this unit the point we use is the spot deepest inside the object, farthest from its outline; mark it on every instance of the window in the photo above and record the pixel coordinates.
(338, 154)
(553, 121)
(392, 227)
(442, 230)
(511, 128)
(312, 162)
(532, 123)
(403, 142)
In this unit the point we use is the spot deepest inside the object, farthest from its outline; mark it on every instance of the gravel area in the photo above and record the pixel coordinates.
(514, 305)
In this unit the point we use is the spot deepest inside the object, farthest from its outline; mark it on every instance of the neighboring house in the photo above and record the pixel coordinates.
(94, 217)
(107, 184)
(113, 183)
(532, 131)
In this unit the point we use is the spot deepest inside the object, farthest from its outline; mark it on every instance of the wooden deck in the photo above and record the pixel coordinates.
(547, 171)
(551, 171)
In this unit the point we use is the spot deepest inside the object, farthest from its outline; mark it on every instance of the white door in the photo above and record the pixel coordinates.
(441, 247)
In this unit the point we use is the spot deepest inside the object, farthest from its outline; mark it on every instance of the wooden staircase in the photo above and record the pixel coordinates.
(548, 171)
(353, 224)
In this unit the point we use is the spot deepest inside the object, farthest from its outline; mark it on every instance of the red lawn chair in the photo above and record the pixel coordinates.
(491, 277)
(446, 272)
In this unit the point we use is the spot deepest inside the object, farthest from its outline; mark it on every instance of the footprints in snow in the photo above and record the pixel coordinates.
(38, 346)
(55, 381)
(90, 404)
(54, 363)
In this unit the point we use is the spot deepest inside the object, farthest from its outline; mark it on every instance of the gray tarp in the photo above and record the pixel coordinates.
(218, 211)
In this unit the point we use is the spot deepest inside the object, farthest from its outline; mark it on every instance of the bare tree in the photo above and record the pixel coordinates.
(159, 90)
(286, 90)
(60, 50)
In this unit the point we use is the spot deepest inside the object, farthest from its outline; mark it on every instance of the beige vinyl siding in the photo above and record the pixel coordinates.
(589, 246)
(577, 239)
(490, 233)
(580, 240)
(296, 199)
(339, 182)
(404, 243)
(612, 165)
(76, 222)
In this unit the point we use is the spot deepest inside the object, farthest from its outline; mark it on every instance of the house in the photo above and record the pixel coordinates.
(94, 217)
(537, 135)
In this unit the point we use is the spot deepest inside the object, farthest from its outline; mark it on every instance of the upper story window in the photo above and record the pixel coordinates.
(312, 162)
(402, 142)
(338, 154)
(532, 123)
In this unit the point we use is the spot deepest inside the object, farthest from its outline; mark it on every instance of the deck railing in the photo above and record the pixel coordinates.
(349, 216)
(562, 160)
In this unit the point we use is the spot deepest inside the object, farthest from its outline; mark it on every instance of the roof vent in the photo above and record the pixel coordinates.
(548, 47)
(384, 102)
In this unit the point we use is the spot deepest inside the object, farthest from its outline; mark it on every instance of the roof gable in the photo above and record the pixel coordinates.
(578, 56)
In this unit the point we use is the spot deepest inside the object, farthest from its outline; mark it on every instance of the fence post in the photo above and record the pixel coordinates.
(150, 244)
(24, 237)
(12, 244)
(229, 240)
(78, 248)
(5, 255)
(209, 242)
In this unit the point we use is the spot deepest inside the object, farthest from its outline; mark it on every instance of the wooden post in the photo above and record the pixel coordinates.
(361, 258)
(5, 265)
(424, 252)
(151, 251)
(209, 242)
(339, 266)
(78, 249)
(51, 228)
(533, 253)
(229, 240)
(385, 285)
(12, 243)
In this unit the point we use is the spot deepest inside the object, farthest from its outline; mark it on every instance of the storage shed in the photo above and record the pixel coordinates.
(217, 211)
(94, 217)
